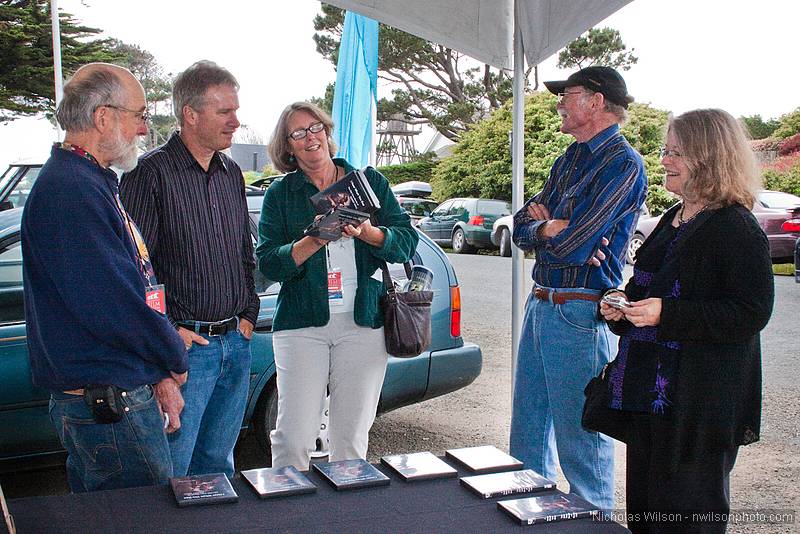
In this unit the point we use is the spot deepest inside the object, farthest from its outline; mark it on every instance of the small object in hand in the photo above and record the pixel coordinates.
(616, 301)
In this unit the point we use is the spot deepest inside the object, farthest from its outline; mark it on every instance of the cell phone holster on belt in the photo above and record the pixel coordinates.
(103, 401)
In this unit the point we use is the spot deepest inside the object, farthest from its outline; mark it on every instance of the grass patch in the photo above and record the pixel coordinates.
(783, 269)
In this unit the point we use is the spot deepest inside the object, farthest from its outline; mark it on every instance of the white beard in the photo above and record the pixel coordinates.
(128, 153)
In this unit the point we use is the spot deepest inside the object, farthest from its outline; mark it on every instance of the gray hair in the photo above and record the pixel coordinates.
(615, 109)
(82, 96)
(190, 86)
(279, 149)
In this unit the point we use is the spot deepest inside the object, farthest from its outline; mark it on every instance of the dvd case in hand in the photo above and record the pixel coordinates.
(548, 508)
(418, 466)
(485, 459)
(350, 200)
(214, 488)
(507, 483)
(272, 482)
(351, 474)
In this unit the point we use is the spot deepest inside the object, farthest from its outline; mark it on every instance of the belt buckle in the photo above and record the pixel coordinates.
(213, 326)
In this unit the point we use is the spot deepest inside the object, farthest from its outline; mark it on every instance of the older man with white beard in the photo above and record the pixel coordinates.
(98, 336)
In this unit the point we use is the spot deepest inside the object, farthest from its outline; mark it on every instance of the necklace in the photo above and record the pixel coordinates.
(681, 220)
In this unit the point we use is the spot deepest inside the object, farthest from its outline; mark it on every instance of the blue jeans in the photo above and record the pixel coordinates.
(560, 349)
(215, 395)
(132, 452)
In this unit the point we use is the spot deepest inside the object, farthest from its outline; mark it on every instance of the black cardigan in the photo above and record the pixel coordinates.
(726, 299)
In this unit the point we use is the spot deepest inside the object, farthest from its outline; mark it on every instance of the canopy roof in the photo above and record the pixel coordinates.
(484, 29)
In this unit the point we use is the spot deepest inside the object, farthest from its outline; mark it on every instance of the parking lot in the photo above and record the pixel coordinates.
(766, 472)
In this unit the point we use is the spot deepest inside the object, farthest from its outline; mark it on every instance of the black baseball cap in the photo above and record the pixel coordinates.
(603, 80)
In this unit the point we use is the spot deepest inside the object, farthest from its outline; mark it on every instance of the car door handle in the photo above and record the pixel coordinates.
(264, 325)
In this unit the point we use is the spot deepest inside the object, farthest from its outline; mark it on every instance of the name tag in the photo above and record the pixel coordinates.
(335, 288)
(156, 298)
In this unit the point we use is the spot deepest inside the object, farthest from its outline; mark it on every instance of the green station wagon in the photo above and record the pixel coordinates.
(465, 224)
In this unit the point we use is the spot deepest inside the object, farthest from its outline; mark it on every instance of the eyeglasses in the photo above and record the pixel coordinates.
(669, 152)
(562, 96)
(301, 133)
(141, 116)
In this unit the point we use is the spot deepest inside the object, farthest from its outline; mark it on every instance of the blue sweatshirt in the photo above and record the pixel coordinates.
(87, 319)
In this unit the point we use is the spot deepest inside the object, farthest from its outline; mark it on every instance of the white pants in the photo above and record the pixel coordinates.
(348, 358)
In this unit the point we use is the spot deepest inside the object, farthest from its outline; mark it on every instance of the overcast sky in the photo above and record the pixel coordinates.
(735, 54)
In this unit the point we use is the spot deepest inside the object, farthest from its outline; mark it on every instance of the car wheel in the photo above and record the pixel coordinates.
(633, 246)
(460, 245)
(505, 243)
(266, 416)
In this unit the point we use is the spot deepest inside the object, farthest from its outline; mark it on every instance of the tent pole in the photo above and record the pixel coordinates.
(58, 78)
(517, 187)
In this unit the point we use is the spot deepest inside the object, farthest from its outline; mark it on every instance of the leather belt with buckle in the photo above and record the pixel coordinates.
(219, 328)
(560, 297)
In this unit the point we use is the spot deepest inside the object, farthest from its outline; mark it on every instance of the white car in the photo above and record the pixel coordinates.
(502, 229)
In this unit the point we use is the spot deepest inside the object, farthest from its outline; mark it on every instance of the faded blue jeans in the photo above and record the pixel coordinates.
(215, 394)
(560, 349)
(132, 452)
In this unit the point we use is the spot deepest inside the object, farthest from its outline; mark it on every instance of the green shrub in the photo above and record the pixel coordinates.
(789, 125)
(420, 170)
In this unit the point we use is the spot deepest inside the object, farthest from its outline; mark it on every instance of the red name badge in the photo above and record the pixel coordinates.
(156, 298)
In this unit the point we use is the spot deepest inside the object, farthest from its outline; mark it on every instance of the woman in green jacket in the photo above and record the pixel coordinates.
(328, 326)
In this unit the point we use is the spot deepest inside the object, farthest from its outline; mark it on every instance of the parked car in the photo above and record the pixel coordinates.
(772, 209)
(415, 198)
(502, 230)
(449, 364)
(793, 226)
(465, 224)
(416, 207)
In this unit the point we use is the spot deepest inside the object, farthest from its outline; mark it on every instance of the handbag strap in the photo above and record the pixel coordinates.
(387, 278)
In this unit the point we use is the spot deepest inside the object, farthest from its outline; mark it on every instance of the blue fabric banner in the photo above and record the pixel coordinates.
(356, 89)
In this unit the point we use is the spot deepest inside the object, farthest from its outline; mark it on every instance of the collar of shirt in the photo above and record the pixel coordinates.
(596, 142)
(297, 179)
(79, 150)
(177, 149)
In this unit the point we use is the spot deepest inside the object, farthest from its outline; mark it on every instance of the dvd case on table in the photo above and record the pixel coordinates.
(272, 482)
(548, 508)
(485, 459)
(507, 483)
(418, 466)
(351, 474)
(213, 488)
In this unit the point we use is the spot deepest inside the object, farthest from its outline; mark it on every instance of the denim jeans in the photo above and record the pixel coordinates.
(215, 394)
(132, 452)
(560, 349)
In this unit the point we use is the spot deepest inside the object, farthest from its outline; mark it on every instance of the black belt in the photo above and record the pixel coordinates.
(219, 328)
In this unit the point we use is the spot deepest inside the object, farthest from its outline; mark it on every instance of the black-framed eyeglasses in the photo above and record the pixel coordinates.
(301, 133)
(669, 152)
(562, 96)
(141, 116)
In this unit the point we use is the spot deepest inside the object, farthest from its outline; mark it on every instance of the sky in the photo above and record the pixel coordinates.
(732, 54)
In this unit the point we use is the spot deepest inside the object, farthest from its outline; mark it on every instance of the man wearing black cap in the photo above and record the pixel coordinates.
(579, 226)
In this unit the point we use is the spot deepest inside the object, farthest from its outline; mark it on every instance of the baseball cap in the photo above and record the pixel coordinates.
(603, 80)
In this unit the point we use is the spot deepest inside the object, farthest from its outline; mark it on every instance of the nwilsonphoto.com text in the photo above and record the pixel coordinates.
(734, 517)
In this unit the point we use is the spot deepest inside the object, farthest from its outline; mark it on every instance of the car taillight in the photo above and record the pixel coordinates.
(455, 311)
(476, 220)
(792, 225)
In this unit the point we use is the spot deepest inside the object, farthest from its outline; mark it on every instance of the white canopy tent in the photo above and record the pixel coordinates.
(501, 33)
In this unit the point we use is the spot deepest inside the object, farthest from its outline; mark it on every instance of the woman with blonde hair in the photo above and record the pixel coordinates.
(686, 382)
(328, 326)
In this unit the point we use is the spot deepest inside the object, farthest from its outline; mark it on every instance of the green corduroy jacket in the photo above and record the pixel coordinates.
(303, 298)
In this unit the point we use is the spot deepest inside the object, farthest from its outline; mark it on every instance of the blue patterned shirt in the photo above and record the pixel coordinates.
(599, 187)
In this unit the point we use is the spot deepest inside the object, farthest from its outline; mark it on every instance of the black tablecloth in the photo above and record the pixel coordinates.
(441, 505)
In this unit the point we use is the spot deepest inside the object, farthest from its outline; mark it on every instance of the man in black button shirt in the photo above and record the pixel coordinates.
(189, 202)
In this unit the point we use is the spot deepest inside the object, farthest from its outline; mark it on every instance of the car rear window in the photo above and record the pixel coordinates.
(494, 207)
(778, 200)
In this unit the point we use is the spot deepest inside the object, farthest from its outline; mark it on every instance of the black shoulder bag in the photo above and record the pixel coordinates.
(406, 317)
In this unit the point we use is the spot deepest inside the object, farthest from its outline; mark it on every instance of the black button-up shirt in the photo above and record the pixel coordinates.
(196, 227)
